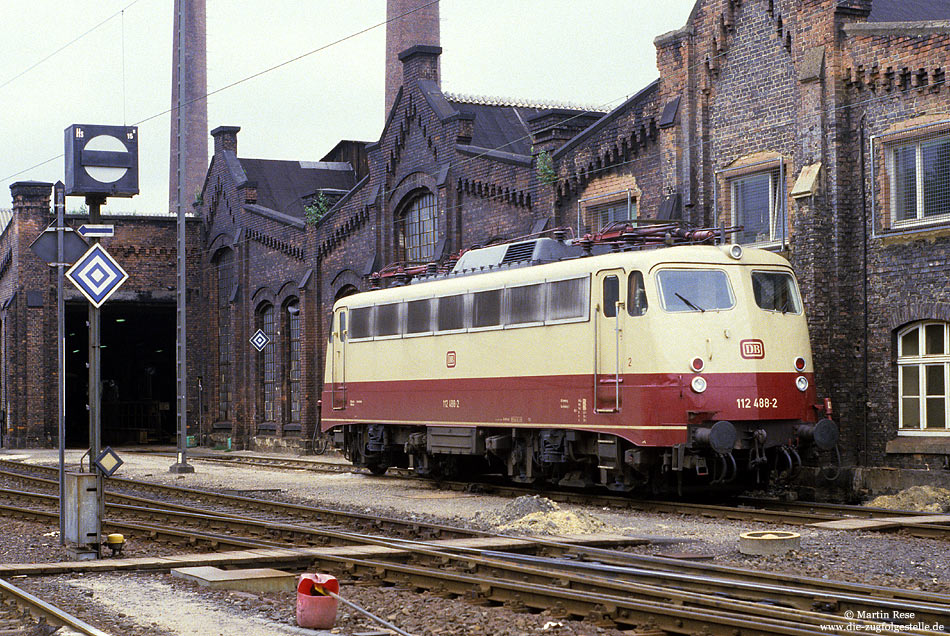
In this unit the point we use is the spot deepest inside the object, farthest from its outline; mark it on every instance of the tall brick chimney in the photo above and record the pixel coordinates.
(195, 112)
(421, 27)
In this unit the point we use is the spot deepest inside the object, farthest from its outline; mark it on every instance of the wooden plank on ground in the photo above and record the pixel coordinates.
(879, 523)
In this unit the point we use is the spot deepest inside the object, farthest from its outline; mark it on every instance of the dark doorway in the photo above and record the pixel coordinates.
(138, 374)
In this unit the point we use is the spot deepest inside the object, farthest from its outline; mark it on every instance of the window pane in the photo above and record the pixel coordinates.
(293, 360)
(910, 381)
(360, 321)
(752, 206)
(417, 316)
(775, 291)
(934, 380)
(451, 313)
(567, 299)
(387, 320)
(910, 345)
(905, 183)
(934, 342)
(694, 289)
(936, 160)
(636, 295)
(936, 413)
(419, 229)
(486, 308)
(911, 413)
(525, 304)
(611, 296)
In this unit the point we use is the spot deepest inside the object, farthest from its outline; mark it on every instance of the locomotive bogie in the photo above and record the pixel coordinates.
(622, 369)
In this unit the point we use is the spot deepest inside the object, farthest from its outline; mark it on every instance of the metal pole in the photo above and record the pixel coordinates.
(95, 385)
(59, 198)
(181, 466)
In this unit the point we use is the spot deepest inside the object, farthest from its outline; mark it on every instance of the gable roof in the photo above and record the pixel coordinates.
(284, 186)
(502, 124)
(909, 10)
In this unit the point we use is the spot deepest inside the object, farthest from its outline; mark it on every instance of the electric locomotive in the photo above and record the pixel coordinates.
(614, 362)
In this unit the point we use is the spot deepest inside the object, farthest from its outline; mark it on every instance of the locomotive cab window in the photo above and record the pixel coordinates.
(694, 290)
(636, 295)
(776, 291)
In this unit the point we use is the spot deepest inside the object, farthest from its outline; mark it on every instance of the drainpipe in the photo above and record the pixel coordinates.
(862, 122)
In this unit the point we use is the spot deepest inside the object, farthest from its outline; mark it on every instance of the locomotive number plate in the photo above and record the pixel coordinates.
(757, 403)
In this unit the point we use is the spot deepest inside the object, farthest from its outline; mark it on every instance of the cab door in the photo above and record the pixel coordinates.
(338, 360)
(609, 301)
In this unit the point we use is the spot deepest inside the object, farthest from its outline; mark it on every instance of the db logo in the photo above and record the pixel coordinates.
(450, 359)
(752, 349)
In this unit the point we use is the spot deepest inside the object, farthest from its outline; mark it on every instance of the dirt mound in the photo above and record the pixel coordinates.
(919, 498)
(533, 514)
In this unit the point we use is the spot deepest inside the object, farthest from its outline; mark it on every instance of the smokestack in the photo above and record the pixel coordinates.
(419, 27)
(195, 112)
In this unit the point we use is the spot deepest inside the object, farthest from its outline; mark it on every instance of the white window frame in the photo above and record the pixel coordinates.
(922, 361)
(920, 217)
(776, 206)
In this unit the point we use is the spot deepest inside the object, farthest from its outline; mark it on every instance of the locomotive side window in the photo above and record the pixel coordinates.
(451, 313)
(419, 316)
(636, 295)
(525, 304)
(694, 290)
(342, 327)
(387, 320)
(486, 308)
(567, 299)
(361, 322)
(611, 295)
(776, 291)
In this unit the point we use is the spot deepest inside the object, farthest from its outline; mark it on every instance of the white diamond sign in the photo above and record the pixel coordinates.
(260, 340)
(97, 275)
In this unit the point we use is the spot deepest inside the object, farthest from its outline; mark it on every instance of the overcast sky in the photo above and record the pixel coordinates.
(592, 52)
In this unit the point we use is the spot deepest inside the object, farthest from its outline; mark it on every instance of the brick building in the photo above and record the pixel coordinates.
(821, 127)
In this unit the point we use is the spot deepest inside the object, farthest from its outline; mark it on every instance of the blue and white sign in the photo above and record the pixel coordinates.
(260, 340)
(97, 275)
(96, 231)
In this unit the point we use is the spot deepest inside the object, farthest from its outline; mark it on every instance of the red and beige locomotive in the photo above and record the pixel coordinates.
(581, 362)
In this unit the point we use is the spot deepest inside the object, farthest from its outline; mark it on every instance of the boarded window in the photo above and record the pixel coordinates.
(567, 299)
(419, 316)
(451, 313)
(525, 304)
(486, 308)
(387, 320)
(361, 322)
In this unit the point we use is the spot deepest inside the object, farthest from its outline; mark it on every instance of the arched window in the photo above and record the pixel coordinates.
(224, 269)
(267, 363)
(418, 229)
(923, 362)
(291, 363)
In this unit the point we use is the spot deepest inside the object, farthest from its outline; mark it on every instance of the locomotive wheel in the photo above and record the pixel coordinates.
(377, 469)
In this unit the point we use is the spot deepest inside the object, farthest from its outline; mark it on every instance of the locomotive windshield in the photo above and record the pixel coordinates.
(776, 291)
(695, 290)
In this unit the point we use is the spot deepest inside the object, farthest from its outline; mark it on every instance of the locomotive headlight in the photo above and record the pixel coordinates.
(697, 364)
(735, 252)
(698, 384)
(801, 382)
(800, 364)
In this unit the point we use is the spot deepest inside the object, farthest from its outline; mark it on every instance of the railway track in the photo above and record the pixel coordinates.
(605, 585)
(748, 509)
(24, 613)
